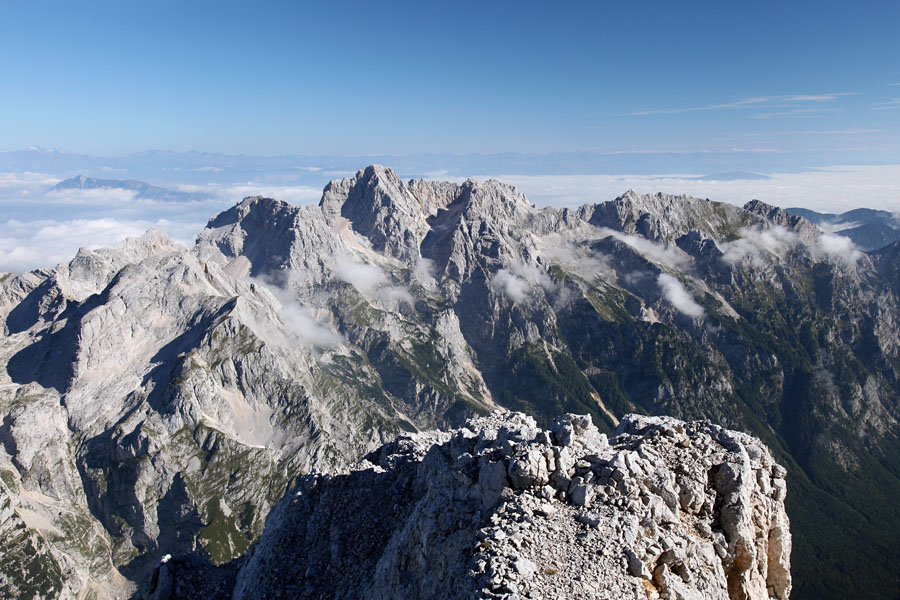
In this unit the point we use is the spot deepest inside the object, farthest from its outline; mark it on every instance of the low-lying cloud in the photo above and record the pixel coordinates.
(838, 247)
(511, 285)
(426, 272)
(755, 244)
(585, 263)
(668, 255)
(371, 281)
(758, 246)
(675, 292)
(299, 325)
(44, 226)
(519, 281)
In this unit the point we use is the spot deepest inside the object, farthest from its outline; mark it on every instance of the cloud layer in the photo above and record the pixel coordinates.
(829, 189)
(44, 227)
(25, 245)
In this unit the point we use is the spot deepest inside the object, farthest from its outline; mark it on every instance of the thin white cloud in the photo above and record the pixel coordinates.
(748, 103)
(675, 292)
(808, 112)
(813, 132)
(892, 104)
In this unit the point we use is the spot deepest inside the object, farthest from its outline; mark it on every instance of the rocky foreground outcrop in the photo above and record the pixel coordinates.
(504, 509)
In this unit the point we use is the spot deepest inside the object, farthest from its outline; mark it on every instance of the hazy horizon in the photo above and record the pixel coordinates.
(43, 227)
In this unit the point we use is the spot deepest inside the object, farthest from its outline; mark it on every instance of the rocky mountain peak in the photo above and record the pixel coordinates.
(251, 209)
(254, 237)
(380, 207)
(502, 508)
(495, 197)
(779, 216)
(664, 217)
(396, 216)
(151, 242)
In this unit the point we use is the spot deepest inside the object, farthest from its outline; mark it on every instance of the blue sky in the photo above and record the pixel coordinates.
(355, 78)
(572, 102)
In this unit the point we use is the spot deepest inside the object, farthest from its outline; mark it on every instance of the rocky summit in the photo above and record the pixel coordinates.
(502, 508)
(160, 400)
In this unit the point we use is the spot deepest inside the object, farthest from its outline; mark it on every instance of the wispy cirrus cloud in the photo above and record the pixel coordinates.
(756, 102)
(892, 104)
(858, 131)
(807, 112)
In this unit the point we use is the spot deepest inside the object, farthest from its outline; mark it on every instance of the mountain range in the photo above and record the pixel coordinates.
(142, 190)
(159, 400)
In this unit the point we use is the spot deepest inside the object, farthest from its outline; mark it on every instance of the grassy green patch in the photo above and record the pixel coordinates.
(221, 536)
(9, 478)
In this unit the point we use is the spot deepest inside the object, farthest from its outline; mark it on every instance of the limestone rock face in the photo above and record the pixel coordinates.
(663, 509)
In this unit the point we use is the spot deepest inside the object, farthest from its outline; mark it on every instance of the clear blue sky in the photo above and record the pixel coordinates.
(449, 77)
